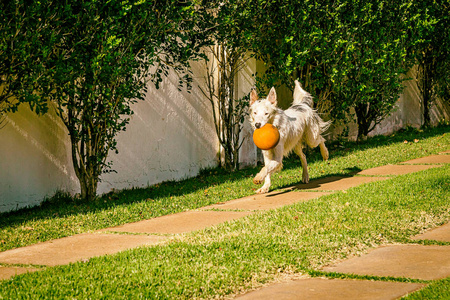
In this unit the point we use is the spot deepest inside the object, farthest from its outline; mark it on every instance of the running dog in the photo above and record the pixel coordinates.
(299, 125)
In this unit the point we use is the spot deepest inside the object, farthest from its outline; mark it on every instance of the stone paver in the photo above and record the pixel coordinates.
(182, 222)
(432, 159)
(441, 233)
(336, 183)
(8, 272)
(410, 261)
(396, 170)
(75, 248)
(265, 202)
(333, 289)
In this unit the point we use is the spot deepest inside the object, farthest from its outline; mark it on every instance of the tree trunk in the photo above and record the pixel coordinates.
(426, 93)
(363, 121)
(85, 173)
(426, 74)
(88, 188)
(426, 110)
(227, 111)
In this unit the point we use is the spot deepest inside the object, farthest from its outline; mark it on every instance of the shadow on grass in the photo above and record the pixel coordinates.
(63, 205)
(316, 183)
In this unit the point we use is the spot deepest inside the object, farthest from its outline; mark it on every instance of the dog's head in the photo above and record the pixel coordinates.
(262, 111)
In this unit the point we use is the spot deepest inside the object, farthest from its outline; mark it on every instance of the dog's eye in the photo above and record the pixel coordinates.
(266, 114)
(254, 112)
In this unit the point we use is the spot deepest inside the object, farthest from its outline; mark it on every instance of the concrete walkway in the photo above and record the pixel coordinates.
(410, 261)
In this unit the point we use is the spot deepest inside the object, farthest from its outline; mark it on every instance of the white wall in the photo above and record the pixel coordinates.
(408, 112)
(34, 159)
(244, 83)
(171, 136)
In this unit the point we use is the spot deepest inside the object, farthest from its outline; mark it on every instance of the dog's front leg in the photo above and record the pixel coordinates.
(272, 164)
(260, 176)
(265, 188)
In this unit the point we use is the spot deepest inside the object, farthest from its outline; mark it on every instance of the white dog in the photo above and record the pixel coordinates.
(299, 125)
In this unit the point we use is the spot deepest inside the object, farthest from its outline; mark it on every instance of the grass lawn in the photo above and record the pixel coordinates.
(246, 253)
(440, 289)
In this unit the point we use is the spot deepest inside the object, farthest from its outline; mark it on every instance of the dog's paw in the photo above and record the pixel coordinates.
(305, 178)
(325, 156)
(262, 190)
(257, 181)
(324, 152)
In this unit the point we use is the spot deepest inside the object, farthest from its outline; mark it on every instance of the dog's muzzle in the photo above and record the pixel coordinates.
(257, 125)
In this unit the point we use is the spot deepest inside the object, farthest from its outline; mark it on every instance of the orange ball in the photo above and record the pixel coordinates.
(266, 137)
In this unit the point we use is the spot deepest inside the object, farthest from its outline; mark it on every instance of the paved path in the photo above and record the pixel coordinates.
(410, 261)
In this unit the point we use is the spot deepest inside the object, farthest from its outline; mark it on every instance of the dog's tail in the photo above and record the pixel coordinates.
(302, 96)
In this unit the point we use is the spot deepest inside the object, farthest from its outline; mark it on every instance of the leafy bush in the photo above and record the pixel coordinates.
(348, 53)
(22, 69)
(430, 35)
(97, 58)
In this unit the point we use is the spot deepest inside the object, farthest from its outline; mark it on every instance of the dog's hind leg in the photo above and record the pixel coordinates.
(314, 137)
(314, 141)
(324, 150)
(299, 151)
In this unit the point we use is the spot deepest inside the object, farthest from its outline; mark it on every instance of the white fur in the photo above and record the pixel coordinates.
(299, 125)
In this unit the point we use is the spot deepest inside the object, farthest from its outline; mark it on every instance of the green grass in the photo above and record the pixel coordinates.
(438, 290)
(239, 255)
(249, 252)
(64, 216)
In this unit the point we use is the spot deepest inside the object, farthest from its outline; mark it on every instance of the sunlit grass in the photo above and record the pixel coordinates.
(249, 252)
(438, 290)
(63, 216)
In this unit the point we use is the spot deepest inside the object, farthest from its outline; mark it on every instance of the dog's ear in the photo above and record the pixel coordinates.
(272, 97)
(253, 96)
